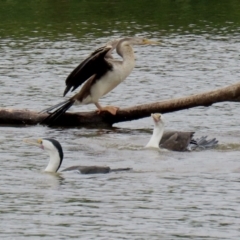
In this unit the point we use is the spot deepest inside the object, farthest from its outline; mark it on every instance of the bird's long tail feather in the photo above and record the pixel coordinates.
(61, 108)
(54, 106)
(203, 143)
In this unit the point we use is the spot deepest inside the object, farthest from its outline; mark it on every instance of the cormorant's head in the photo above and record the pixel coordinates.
(157, 119)
(52, 147)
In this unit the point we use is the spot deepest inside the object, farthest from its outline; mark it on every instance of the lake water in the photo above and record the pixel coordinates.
(168, 195)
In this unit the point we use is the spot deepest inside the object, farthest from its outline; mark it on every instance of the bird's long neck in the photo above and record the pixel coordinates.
(125, 50)
(54, 163)
(156, 136)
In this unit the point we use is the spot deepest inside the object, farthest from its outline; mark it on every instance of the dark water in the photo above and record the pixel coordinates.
(168, 195)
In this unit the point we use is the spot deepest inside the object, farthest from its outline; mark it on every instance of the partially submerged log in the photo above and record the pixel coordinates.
(26, 117)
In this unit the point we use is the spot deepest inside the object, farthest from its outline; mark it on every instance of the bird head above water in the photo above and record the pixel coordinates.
(54, 150)
(158, 130)
(158, 119)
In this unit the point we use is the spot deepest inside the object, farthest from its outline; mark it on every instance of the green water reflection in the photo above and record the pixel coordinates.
(55, 18)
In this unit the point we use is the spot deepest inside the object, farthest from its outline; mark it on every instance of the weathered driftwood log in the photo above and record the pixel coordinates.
(26, 117)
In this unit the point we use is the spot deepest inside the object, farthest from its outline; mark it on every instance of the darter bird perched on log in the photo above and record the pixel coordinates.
(100, 73)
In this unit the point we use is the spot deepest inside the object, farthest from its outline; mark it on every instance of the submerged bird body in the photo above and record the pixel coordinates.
(54, 149)
(176, 140)
(99, 73)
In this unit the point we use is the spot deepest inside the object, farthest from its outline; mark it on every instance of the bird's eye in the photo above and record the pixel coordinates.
(39, 141)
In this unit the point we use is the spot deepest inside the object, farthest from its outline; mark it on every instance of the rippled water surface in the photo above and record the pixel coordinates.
(167, 195)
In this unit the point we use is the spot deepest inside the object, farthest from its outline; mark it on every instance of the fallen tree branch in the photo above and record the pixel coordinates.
(26, 117)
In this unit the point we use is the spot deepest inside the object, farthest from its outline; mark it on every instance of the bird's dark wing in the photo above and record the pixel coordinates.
(94, 64)
(170, 142)
(176, 141)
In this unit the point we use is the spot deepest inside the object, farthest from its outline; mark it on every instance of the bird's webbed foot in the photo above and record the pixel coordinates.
(111, 109)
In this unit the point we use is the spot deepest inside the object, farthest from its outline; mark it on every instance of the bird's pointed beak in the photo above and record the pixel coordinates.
(156, 117)
(35, 142)
(148, 42)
